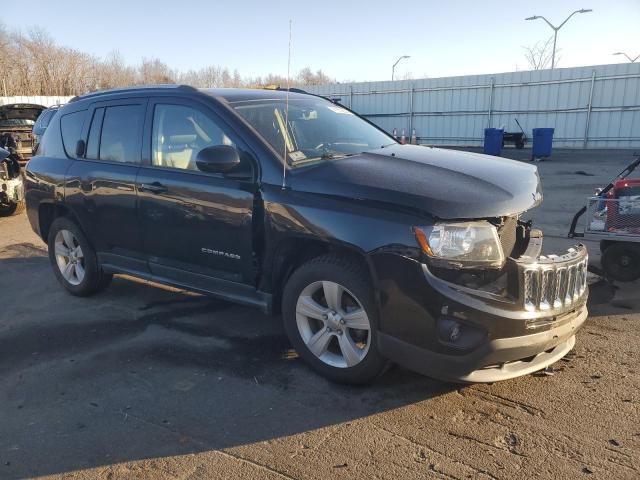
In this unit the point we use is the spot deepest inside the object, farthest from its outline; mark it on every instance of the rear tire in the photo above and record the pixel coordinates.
(330, 318)
(74, 260)
(621, 261)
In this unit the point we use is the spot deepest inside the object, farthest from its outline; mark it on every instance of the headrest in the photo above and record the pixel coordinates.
(178, 127)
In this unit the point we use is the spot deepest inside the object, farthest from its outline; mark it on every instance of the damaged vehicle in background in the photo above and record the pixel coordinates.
(16, 124)
(41, 125)
(372, 251)
(11, 185)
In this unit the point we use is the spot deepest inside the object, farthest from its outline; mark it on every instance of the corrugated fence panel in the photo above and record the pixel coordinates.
(596, 106)
(46, 101)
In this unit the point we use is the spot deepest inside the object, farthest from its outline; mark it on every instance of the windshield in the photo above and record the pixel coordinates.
(316, 128)
(16, 122)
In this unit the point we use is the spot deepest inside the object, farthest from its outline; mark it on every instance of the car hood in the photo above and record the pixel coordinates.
(443, 183)
(26, 111)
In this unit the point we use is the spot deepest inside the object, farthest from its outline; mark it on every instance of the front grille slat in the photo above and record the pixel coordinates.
(548, 288)
(561, 274)
(571, 285)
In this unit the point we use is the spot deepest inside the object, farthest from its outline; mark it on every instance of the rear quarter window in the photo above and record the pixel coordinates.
(71, 127)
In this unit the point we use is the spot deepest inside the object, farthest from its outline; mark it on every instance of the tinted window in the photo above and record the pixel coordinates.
(94, 134)
(16, 122)
(71, 127)
(121, 131)
(179, 133)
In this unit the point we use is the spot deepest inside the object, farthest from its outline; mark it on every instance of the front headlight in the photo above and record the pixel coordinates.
(461, 245)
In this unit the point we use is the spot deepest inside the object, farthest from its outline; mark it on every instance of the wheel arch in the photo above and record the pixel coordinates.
(292, 253)
(48, 212)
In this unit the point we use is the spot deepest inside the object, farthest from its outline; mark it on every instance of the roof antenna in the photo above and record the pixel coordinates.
(286, 114)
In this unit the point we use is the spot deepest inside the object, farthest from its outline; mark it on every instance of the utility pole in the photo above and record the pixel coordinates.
(555, 30)
(632, 60)
(393, 69)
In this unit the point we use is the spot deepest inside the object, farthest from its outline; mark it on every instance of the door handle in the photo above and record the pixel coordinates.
(155, 187)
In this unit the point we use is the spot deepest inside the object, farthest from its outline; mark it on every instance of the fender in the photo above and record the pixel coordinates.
(351, 224)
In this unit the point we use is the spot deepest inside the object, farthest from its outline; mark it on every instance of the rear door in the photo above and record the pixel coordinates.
(198, 226)
(101, 184)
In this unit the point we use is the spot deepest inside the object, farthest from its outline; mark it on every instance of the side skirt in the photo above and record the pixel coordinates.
(215, 287)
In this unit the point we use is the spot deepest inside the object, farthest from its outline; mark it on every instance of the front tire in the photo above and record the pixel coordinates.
(74, 260)
(330, 318)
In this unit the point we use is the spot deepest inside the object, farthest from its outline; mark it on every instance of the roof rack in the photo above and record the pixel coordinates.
(134, 89)
(282, 89)
(292, 90)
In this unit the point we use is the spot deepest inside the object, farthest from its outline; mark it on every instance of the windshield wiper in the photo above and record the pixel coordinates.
(330, 156)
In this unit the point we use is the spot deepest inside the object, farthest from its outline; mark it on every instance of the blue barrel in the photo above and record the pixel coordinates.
(542, 142)
(493, 141)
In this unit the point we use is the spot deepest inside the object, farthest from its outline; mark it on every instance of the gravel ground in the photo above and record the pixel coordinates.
(143, 381)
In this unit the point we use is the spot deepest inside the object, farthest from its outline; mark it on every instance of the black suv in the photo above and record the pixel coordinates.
(371, 250)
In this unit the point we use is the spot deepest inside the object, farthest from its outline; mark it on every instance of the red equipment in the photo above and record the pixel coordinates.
(623, 213)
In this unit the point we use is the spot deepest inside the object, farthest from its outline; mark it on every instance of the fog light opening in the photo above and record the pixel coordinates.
(454, 333)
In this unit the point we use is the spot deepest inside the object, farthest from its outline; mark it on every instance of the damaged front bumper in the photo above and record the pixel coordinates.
(488, 335)
(11, 191)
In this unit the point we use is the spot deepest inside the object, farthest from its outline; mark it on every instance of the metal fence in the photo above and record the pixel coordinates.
(589, 107)
(45, 101)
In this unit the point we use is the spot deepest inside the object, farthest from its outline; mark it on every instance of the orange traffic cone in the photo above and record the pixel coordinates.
(395, 133)
(403, 138)
(414, 139)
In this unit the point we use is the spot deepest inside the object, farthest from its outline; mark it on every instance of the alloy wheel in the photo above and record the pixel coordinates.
(333, 324)
(69, 257)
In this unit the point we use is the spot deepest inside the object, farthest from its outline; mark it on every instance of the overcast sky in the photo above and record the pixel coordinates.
(348, 40)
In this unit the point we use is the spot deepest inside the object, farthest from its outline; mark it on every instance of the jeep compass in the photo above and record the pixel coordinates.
(371, 251)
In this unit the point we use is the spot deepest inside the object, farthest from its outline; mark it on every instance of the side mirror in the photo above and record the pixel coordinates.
(4, 154)
(217, 159)
(80, 149)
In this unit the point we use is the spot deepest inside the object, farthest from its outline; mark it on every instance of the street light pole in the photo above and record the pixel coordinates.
(555, 30)
(393, 69)
(632, 60)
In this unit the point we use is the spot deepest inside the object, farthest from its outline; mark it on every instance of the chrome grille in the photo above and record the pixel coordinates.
(550, 287)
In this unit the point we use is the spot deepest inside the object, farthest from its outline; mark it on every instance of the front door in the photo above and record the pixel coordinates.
(197, 225)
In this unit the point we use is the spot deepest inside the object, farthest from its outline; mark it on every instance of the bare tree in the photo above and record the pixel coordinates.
(32, 63)
(112, 72)
(155, 72)
(307, 77)
(539, 54)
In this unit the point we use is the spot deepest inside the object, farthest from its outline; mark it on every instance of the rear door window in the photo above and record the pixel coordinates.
(120, 134)
(71, 127)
